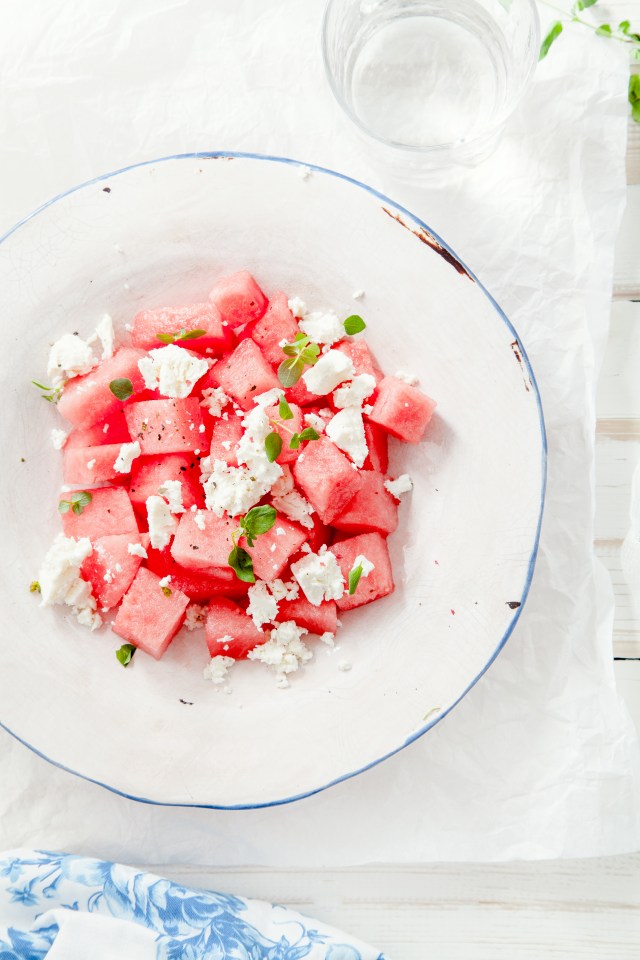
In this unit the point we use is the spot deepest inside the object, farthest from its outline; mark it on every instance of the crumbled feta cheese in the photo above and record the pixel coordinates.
(367, 565)
(269, 398)
(137, 550)
(162, 525)
(284, 591)
(195, 616)
(323, 328)
(199, 519)
(172, 370)
(128, 453)
(297, 306)
(353, 394)
(283, 484)
(165, 581)
(263, 607)
(407, 377)
(69, 357)
(305, 548)
(329, 371)
(171, 490)
(108, 577)
(328, 638)
(196, 452)
(91, 464)
(226, 444)
(368, 408)
(60, 580)
(284, 650)
(346, 430)
(58, 438)
(314, 421)
(105, 429)
(294, 506)
(217, 668)
(201, 428)
(118, 568)
(358, 294)
(319, 576)
(344, 665)
(280, 532)
(402, 484)
(205, 469)
(104, 333)
(304, 172)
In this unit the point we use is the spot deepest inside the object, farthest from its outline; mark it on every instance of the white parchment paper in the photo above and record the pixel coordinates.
(540, 759)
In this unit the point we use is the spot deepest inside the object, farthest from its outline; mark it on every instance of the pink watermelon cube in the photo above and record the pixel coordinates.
(171, 320)
(244, 374)
(198, 585)
(110, 512)
(378, 444)
(276, 325)
(149, 473)
(363, 359)
(205, 550)
(326, 478)
(90, 464)
(286, 429)
(229, 631)
(238, 298)
(379, 583)
(272, 551)
(402, 410)
(110, 431)
(87, 399)
(373, 509)
(225, 437)
(166, 426)
(318, 620)
(110, 569)
(319, 534)
(148, 618)
(299, 394)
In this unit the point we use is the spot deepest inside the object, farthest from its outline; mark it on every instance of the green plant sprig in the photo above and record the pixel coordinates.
(182, 334)
(273, 442)
(300, 354)
(50, 394)
(125, 653)
(76, 502)
(257, 521)
(623, 32)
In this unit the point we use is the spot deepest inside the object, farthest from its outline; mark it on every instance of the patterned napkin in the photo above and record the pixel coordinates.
(64, 907)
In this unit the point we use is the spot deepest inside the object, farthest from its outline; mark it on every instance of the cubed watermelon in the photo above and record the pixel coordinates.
(272, 551)
(197, 585)
(372, 509)
(90, 464)
(206, 550)
(244, 374)
(238, 298)
(299, 394)
(148, 616)
(378, 444)
(167, 426)
(109, 512)
(379, 583)
(326, 477)
(319, 620)
(87, 399)
(229, 631)
(286, 429)
(319, 534)
(362, 358)
(276, 325)
(110, 569)
(112, 430)
(225, 437)
(402, 410)
(149, 473)
(148, 324)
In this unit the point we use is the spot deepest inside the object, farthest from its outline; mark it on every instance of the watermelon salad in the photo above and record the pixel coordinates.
(225, 468)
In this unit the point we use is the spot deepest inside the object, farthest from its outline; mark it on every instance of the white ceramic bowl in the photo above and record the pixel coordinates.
(463, 555)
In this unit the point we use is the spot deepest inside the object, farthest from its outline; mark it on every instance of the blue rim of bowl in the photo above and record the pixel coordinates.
(228, 154)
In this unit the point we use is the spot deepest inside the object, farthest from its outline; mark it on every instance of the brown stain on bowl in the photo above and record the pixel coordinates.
(425, 237)
(517, 352)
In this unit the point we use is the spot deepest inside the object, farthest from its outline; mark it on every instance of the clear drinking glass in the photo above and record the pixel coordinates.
(430, 83)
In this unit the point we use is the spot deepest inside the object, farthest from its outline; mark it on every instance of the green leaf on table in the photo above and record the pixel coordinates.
(634, 96)
(240, 561)
(354, 324)
(125, 653)
(604, 30)
(122, 388)
(34, 587)
(273, 446)
(551, 37)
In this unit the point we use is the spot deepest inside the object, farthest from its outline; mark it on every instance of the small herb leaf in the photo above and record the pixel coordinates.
(165, 337)
(354, 579)
(34, 587)
(167, 591)
(259, 520)
(309, 434)
(122, 388)
(273, 446)
(125, 653)
(604, 30)
(240, 561)
(64, 506)
(290, 371)
(294, 443)
(191, 334)
(553, 34)
(354, 324)
(285, 411)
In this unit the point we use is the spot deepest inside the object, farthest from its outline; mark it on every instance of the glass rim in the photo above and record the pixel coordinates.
(431, 148)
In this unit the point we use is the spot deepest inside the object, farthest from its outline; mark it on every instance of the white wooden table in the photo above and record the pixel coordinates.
(564, 909)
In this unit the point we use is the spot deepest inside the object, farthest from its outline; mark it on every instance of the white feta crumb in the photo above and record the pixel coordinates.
(284, 591)
(344, 665)
(118, 568)
(367, 565)
(284, 650)
(195, 616)
(128, 327)
(205, 469)
(58, 438)
(137, 550)
(104, 333)
(407, 377)
(328, 638)
(402, 484)
(193, 508)
(329, 372)
(108, 576)
(269, 398)
(298, 308)
(324, 328)
(171, 490)
(301, 458)
(199, 520)
(280, 532)
(316, 422)
(368, 409)
(295, 507)
(263, 606)
(196, 452)
(165, 581)
(353, 394)
(217, 668)
(91, 464)
(128, 453)
(346, 430)
(358, 294)
(273, 548)
(282, 683)
(304, 172)
(105, 429)
(70, 356)
(226, 444)
(201, 428)
(172, 370)
(319, 576)
(305, 548)
(162, 525)
(60, 580)
(283, 484)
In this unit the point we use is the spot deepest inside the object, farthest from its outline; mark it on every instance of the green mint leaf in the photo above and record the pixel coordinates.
(299, 337)
(76, 502)
(121, 388)
(310, 354)
(309, 434)
(167, 591)
(604, 30)
(240, 561)
(354, 579)
(165, 337)
(354, 324)
(289, 350)
(624, 26)
(552, 36)
(191, 334)
(259, 520)
(125, 653)
(273, 446)
(64, 506)
(294, 443)
(285, 411)
(290, 371)
(34, 587)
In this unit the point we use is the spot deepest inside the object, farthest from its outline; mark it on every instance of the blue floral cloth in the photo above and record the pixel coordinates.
(38, 889)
